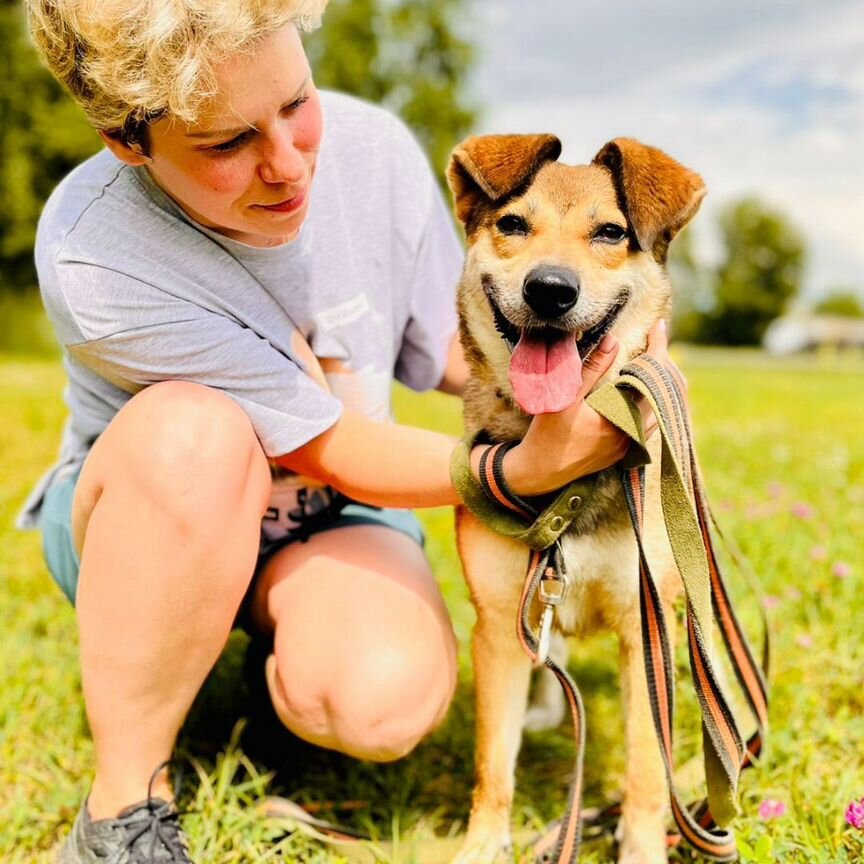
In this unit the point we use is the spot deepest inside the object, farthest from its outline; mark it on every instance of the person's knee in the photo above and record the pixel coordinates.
(396, 699)
(378, 706)
(182, 441)
(183, 425)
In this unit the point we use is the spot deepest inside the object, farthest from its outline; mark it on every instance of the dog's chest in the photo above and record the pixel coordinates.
(602, 564)
(602, 580)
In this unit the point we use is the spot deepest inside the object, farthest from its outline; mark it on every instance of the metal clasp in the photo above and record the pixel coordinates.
(553, 588)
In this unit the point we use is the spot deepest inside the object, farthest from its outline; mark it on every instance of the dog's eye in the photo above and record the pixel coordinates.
(610, 233)
(512, 224)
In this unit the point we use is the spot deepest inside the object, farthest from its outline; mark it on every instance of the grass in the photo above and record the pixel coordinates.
(26, 328)
(784, 461)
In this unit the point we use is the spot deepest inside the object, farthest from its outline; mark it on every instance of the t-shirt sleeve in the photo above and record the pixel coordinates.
(183, 341)
(432, 320)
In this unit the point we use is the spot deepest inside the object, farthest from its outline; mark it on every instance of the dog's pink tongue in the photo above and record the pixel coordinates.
(545, 376)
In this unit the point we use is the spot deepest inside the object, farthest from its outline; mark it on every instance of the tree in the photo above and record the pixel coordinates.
(691, 287)
(406, 54)
(761, 272)
(43, 135)
(843, 303)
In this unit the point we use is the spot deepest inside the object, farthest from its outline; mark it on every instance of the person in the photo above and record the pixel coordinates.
(235, 280)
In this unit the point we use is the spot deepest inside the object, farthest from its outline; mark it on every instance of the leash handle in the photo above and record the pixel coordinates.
(723, 745)
(718, 845)
(725, 754)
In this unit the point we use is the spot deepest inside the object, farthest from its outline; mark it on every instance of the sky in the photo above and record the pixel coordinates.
(763, 99)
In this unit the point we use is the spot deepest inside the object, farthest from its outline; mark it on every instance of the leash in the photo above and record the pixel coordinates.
(689, 524)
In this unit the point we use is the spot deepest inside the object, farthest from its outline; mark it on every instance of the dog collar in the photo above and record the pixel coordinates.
(539, 522)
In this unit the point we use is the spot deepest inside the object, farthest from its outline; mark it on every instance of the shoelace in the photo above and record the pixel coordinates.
(160, 821)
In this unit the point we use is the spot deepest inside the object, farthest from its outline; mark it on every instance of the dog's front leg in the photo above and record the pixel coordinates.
(495, 569)
(501, 675)
(642, 829)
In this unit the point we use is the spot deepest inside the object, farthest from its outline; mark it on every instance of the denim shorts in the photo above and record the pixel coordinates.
(62, 559)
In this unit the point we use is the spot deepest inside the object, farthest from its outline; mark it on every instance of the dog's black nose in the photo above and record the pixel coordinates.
(551, 291)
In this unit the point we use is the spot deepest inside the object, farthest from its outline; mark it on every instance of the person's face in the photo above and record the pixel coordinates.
(245, 168)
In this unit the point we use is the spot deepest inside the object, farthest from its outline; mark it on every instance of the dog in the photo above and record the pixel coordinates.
(557, 257)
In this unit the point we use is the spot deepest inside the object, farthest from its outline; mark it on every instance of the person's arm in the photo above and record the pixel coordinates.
(456, 372)
(378, 463)
(390, 465)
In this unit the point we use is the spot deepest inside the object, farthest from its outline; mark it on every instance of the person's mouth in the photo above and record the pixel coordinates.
(289, 205)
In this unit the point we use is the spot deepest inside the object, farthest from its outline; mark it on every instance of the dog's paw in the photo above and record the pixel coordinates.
(485, 847)
(642, 845)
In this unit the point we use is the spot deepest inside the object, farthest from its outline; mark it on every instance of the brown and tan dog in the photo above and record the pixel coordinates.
(558, 256)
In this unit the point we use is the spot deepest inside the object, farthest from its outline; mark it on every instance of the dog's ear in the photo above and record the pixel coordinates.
(659, 195)
(493, 167)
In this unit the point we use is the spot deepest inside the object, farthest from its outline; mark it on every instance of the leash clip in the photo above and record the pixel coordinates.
(553, 587)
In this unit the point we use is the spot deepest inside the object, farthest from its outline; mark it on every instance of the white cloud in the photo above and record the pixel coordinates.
(770, 105)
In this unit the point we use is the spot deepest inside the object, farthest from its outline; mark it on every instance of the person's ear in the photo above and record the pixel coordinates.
(131, 154)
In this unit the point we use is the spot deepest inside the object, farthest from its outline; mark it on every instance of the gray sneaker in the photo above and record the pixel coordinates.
(145, 833)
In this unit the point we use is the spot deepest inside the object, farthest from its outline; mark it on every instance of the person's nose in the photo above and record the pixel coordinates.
(281, 161)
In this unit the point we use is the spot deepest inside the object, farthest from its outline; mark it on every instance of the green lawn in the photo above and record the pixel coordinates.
(783, 455)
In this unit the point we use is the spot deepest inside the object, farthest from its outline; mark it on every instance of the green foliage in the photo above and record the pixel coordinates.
(843, 303)
(407, 55)
(43, 135)
(761, 272)
(784, 465)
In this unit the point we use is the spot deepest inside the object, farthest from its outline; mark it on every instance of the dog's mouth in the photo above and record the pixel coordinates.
(546, 362)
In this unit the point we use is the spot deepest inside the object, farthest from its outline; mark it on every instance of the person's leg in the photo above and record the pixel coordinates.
(364, 652)
(166, 521)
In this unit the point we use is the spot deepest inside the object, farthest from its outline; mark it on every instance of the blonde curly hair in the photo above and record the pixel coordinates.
(129, 62)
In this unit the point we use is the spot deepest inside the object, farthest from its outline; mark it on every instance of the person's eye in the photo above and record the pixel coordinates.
(232, 143)
(297, 103)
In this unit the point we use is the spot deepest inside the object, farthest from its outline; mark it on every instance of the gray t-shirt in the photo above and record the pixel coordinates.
(139, 293)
